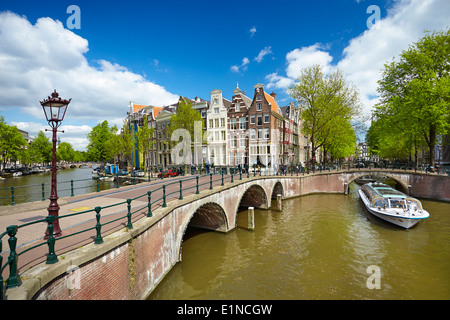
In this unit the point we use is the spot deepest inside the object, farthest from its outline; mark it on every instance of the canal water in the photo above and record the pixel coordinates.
(321, 246)
(28, 188)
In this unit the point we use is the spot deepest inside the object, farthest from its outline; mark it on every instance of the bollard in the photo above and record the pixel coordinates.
(251, 218)
(346, 188)
(279, 202)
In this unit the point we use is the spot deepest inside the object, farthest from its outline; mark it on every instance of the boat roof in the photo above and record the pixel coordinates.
(386, 191)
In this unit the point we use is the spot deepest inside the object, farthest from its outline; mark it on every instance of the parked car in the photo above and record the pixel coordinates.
(167, 173)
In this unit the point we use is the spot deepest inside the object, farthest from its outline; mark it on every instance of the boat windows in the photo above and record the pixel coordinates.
(413, 204)
(380, 203)
(397, 203)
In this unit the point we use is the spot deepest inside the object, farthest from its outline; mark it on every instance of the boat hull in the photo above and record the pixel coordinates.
(401, 221)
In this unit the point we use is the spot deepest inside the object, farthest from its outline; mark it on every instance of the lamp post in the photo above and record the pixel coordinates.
(54, 109)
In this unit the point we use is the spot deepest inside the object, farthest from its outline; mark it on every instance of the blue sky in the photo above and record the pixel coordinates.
(150, 52)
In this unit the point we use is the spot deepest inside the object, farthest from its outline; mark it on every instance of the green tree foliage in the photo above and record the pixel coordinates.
(415, 95)
(328, 105)
(65, 152)
(97, 149)
(145, 139)
(184, 118)
(41, 149)
(12, 143)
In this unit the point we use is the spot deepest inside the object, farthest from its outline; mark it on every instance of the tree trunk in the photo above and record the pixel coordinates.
(432, 143)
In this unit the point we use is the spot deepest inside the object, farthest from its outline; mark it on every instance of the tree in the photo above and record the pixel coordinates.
(184, 118)
(41, 149)
(12, 143)
(65, 152)
(326, 102)
(145, 139)
(415, 90)
(97, 147)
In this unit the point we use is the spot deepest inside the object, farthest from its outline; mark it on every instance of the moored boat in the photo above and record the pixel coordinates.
(392, 205)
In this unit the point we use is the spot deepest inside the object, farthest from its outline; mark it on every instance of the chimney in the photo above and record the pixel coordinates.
(274, 95)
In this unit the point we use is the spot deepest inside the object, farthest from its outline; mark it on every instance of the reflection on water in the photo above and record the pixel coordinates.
(319, 247)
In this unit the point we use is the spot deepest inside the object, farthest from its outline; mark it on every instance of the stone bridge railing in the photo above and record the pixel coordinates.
(129, 263)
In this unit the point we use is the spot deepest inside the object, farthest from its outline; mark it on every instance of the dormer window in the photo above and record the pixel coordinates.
(238, 106)
(258, 97)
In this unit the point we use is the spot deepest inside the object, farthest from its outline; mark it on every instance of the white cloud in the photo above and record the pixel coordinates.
(365, 56)
(278, 82)
(35, 59)
(252, 31)
(263, 53)
(242, 67)
(299, 59)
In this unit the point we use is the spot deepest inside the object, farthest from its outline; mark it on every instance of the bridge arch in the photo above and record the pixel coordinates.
(277, 189)
(254, 196)
(402, 185)
(209, 216)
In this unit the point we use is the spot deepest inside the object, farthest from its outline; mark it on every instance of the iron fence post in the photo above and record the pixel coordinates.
(14, 277)
(164, 196)
(51, 257)
(43, 191)
(71, 188)
(98, 226)
(149, 205)
(210, 181)
(12, 196)
(129, 224)
(181, 190)
(197, 192)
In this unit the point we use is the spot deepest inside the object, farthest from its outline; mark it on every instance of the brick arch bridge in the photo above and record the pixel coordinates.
(130, 263)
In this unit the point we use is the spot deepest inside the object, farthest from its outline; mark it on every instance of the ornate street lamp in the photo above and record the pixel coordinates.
(54, 109)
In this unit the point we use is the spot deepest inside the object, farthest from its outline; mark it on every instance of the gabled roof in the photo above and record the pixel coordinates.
(271, 100)
(137, 107)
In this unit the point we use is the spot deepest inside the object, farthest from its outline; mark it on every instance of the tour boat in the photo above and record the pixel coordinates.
(392, 205)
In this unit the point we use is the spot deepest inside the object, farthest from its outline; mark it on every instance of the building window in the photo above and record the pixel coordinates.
(259, 134)
(266, 133)
(222, 122)
(259, 106)
(216, 110)
(252, 119)
(258, 97)
(223, 135)
(242, 141)
(233, 141)
(259, 120)
(210, 123)
(252, 134)
(203, 114)
(266, 118)
(242, 123)
(216, 122)
(216, 135)
(233, 124)
(238, 106)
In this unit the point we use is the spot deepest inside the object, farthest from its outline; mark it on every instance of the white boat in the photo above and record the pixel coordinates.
(17, 174)
(392, 205)
(107, 178)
